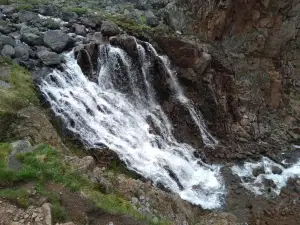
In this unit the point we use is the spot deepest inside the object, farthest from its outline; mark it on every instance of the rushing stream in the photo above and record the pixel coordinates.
(115, 112)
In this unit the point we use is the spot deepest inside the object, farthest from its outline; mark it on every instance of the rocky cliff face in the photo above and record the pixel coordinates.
(255, 84)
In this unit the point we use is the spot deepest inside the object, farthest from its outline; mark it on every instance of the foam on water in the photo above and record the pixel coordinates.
(257, 184)
(115, 113)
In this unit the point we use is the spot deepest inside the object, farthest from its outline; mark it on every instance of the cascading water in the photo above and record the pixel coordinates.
(115, 113)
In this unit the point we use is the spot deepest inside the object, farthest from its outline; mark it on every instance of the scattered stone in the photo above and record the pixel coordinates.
(8, 10)
(4, 84)
(109, 29)
(8, 51)
(6, 40)
(18, 147)
(134, 200)
(49, 58)
(21, 52)
(151, 19)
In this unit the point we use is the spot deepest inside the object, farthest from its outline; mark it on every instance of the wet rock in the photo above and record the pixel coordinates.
(126, 42)
(6, 40)
(21, 52)
(18, 147)
(49, 58)
(257, 171)
(276, 170)
(8, 51)
(57, 40)
(151, 19)
(85, 62)
(79, 29)
(31, 39)
(109, 29)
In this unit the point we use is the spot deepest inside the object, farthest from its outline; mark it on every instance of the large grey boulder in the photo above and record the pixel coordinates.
(79, 29)
(28, 17)
(8, 10)
(27, 29)
(6, 40)
(49, 58)
(109, 29)
(57, 40)
(31, 39)
(8, 51)
(21, 52)
(18, 147)
(151, 19)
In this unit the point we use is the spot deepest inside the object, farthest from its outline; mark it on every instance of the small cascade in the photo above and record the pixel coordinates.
(122, 113)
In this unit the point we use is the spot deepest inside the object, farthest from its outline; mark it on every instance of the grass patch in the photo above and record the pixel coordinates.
(5, 149)
(118, 167)
(19, 196)
(21, 94)
(25, 7)
(45, 165)
(4, 2)
(78, 11)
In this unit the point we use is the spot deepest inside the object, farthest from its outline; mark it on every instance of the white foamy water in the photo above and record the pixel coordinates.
(115, 113)
(266, 166)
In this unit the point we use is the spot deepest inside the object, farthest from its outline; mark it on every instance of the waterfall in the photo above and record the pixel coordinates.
(116, 113)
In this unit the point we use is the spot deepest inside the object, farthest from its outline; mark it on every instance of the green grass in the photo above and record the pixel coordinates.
(21, 94)
(4, 2)
(5, 149)
(45, 165)
(79, 11)
(19, 196)
(25, 7)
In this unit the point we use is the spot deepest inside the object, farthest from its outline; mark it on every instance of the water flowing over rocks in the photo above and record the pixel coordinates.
(226, 94)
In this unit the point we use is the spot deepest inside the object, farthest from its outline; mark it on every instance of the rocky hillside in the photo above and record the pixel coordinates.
(237, 60)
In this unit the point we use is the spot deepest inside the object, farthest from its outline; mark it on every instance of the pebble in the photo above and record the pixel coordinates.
(9, 211)
(134, 200)
(34, 215)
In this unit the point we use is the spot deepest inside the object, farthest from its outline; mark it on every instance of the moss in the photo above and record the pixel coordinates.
(19, 196)
(79, 11)
(21, 94)
(5, 149)
(25, 7)
(118, 167)
(4, 2)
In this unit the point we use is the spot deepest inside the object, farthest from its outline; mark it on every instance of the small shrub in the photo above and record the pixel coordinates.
(79, 11)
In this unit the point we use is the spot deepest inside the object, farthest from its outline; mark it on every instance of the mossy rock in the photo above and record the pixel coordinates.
(19, 95)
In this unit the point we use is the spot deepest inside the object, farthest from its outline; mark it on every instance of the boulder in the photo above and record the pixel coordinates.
(126, 42)
(28, 17)
(18, 147)
(4, 84)
(8, 51)
(68, 15)
(57, 40)
(49, 58)
(79, 29)
(276, 170)
(31, 39)
(151, 19)
(6, 40)
(27, 29)
(21, 52)
(109, 29)
(8, 10)
(85, 62)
